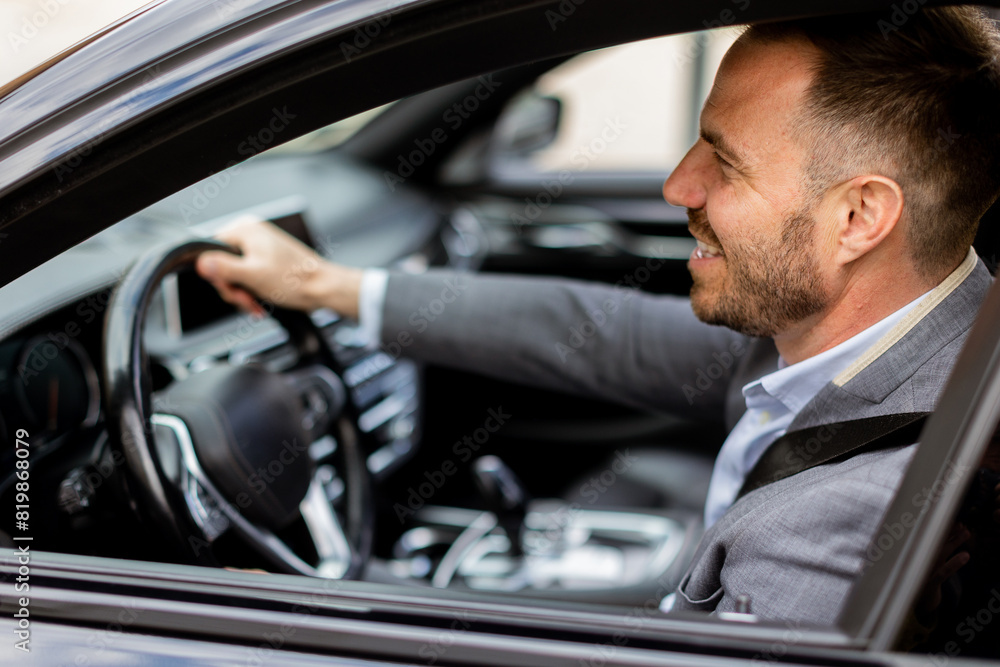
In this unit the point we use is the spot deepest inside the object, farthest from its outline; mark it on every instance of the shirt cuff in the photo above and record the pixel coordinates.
(371, 301)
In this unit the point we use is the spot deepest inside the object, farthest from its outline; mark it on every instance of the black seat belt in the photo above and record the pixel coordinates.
(809, 447)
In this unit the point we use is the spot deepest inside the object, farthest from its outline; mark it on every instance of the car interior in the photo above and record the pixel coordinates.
(439, 478)
(603, 511)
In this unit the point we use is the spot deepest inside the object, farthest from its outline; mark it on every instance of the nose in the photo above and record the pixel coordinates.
(687, 184)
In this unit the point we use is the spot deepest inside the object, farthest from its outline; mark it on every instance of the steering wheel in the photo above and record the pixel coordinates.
(238, 447)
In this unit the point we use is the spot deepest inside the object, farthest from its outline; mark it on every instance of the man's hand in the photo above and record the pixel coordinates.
(278, 268)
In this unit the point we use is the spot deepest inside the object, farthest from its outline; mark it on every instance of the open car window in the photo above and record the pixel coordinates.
(371, 213)
(648, 93)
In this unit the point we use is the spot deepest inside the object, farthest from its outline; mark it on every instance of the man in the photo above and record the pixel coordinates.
(834, 193)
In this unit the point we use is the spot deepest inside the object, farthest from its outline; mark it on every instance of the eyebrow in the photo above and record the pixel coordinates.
(716, 141)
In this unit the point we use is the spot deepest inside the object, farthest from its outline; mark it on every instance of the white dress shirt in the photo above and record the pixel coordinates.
(774, 401)
(371, 302)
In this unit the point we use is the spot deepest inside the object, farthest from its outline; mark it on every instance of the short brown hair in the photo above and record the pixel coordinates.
(914, 98)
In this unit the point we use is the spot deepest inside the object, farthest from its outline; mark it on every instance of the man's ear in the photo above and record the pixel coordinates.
(869, 209)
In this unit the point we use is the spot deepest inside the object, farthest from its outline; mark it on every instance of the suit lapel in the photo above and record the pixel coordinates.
(926, 341)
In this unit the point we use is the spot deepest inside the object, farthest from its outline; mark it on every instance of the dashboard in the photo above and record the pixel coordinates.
(51, 336)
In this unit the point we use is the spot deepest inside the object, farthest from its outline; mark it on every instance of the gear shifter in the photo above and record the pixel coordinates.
(505, 496)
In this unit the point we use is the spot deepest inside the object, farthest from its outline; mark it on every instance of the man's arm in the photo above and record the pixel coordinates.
(610, 342)
(598, 340)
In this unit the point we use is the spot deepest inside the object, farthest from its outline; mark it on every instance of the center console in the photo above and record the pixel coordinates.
(546, 547)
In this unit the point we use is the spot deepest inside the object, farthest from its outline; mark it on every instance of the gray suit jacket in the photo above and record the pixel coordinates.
(795, 546)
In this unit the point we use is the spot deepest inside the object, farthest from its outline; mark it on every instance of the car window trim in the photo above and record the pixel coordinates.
(185, 599)
(954, 440)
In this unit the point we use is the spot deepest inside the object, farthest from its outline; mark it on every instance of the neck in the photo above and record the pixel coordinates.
(858, 305)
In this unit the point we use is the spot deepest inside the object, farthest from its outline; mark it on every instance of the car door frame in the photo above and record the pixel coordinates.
(195, 113)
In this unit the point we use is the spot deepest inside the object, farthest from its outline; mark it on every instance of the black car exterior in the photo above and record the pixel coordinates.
(183, 90)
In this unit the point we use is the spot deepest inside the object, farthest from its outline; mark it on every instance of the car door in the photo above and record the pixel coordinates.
(96, 610)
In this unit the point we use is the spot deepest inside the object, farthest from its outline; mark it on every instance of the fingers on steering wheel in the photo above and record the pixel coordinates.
(240, 298)
(234, 294)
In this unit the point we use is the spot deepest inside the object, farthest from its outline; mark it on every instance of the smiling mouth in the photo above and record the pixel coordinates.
(706, 251)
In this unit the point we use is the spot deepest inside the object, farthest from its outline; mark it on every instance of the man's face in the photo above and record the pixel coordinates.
(758, 266)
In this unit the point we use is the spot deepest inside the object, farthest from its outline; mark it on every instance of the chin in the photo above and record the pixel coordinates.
(714, 311)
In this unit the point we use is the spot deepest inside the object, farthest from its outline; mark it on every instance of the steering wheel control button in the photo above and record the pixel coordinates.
(322, 397)
(205, 510)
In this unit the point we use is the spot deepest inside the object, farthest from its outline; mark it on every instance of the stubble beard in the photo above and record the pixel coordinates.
(767, 286)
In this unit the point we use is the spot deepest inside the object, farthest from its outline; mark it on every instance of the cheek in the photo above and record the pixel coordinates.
(739, 219)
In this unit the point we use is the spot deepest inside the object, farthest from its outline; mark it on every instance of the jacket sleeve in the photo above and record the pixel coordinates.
(602, 341)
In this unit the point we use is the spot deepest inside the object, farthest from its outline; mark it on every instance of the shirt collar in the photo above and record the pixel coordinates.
(796, 384)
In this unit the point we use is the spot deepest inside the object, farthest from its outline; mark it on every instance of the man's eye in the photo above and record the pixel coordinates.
(721, 160)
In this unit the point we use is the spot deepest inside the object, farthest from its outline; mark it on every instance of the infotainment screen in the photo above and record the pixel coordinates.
(197, 301)
(295, 225)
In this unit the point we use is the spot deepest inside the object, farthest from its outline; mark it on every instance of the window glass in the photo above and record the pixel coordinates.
(331, 135)
(633, 107)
